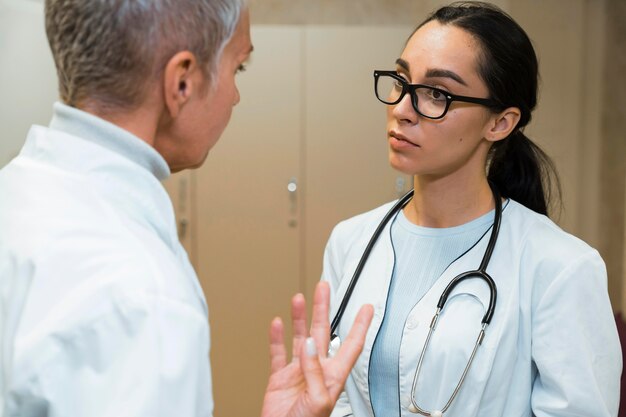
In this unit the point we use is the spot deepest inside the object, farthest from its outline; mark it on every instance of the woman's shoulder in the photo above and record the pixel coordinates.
(541, 238)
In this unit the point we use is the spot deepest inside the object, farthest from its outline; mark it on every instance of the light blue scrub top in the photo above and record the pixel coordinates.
(422, 255)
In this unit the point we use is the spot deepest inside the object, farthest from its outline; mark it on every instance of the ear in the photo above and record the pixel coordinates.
(181, 81)
(502, 124)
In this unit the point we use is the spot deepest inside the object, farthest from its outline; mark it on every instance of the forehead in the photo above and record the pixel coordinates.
(442, 46)
(240, 41)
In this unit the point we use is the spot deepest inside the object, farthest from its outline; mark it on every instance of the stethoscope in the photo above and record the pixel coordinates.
(481, 273)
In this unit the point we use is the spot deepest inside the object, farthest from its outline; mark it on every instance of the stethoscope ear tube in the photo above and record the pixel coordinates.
(355, 277)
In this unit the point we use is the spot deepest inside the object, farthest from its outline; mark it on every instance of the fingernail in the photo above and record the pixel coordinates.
(311, 349)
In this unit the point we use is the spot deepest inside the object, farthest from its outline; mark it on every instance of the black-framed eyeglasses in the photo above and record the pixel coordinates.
(428, 101)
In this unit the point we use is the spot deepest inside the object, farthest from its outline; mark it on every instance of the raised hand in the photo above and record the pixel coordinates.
(309, 385)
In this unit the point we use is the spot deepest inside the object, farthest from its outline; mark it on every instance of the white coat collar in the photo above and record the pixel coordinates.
(96, 130)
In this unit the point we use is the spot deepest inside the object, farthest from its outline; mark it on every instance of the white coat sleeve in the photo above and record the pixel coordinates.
(331, 274)
(575, 345)
(146, 356)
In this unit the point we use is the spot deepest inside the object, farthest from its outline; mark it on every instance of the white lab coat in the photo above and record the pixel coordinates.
(101, 313)
(552, 348)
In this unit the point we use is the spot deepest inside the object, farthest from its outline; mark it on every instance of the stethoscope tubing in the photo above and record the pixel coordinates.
(480, 272)
(366, 253)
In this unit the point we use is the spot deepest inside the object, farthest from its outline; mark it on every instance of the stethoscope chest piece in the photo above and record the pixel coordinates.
(435, 413)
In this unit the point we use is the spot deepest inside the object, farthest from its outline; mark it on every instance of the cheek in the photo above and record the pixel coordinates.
(219, 110)
(225, 113)
(462, 127)
(219, 116)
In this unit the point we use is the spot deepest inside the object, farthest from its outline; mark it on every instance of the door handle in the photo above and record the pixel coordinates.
(292, 189)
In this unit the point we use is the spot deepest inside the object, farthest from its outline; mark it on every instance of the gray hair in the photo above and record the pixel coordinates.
(106, 51)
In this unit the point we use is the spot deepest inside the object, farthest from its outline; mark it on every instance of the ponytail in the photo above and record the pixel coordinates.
(523, 172)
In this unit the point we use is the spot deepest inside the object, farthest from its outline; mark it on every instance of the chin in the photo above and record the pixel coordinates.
(191, 163)
(402, 165)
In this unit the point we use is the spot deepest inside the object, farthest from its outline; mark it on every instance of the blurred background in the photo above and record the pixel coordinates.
(306, 148)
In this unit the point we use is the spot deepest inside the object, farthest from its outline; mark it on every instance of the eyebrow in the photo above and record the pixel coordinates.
(434, 72)
(402, 63)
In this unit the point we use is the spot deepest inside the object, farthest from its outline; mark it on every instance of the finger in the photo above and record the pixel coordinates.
(319, 401)
(350, 349)
(278, 352)
(320, 327)
(298, 322)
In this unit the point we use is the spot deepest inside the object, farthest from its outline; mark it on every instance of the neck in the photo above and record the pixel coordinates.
(448, 202)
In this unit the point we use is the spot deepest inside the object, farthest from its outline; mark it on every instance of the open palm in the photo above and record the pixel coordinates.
(309, 385)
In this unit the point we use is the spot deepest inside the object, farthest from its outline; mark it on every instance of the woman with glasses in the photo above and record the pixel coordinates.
(458, 100)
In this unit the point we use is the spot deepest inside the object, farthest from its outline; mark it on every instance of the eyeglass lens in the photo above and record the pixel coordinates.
(430, 102)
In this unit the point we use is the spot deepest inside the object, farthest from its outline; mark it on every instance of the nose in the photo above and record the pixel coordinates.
(404, 110)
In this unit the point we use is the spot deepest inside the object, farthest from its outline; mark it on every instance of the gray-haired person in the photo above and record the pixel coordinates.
(101, 313)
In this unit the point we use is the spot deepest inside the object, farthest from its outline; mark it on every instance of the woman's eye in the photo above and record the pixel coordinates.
(437, 95)
(240, 68)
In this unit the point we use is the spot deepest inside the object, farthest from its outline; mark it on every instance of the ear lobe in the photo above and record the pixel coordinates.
(503, 124)
(178, 81)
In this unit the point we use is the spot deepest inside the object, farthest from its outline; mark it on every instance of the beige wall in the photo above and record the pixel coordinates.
(581, 40)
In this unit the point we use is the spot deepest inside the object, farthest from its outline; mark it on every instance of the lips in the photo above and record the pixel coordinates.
(401, 138)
